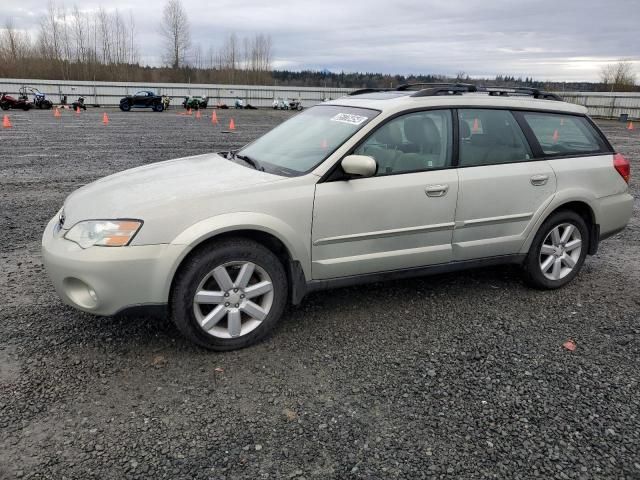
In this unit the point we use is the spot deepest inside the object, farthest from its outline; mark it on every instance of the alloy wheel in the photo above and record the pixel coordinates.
(233, 299)
(560, 251)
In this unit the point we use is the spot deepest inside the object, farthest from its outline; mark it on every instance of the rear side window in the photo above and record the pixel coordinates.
(560, 134)
(489, 137)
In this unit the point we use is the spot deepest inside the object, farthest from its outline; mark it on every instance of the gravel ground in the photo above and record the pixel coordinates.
(459, 376)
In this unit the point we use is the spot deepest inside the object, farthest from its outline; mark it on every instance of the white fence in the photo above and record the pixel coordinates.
(607, 105)
(110, 93)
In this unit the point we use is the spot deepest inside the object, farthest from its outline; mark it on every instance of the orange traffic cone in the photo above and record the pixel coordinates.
(105, 118)
(630, 126)
(556, 135)
(56, 113)
(214, 118)
(189, 111)
(476, 126)
(232, 125)
(6, 123)
(198, 114)
(77, 110)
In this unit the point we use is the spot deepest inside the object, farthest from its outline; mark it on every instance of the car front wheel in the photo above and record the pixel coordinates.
(125, 106)
(229, 295)
(558, 251)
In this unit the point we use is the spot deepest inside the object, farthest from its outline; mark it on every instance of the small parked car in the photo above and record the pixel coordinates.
(142, 99)
(195, 102)
(374, 186)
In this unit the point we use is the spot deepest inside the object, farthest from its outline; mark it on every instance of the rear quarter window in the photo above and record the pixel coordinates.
(560, 134)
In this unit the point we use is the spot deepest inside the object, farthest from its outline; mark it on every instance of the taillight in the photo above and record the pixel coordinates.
(622, 166)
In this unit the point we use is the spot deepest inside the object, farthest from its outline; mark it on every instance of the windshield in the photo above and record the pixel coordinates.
(304, 141)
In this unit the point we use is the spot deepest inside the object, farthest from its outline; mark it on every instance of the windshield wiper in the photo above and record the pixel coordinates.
(251, 161)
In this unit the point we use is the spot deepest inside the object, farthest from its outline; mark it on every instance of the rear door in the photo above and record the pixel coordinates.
(503, 188)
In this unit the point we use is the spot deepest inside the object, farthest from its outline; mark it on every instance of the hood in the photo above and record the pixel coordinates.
(159, 187)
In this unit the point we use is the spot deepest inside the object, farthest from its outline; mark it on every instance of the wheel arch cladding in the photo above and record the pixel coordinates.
(586, 212)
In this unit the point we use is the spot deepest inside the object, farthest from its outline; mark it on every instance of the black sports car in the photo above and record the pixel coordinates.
(142, 99)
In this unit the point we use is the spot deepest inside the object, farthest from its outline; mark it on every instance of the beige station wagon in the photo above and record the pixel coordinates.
(377, 185)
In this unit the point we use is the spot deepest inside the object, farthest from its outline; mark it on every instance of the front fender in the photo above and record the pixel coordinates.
(229, 222)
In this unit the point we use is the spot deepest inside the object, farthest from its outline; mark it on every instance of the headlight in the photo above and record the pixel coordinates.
(104, 233)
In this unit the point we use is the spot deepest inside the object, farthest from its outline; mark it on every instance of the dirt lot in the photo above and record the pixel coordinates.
(459, 375)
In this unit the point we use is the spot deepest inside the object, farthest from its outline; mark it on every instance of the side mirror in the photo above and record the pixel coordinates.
(359, 165)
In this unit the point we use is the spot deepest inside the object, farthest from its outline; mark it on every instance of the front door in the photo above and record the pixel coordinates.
(401, 218)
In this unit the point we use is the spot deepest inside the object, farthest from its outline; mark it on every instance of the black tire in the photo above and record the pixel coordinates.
(5, 106)
(199, 265)
(26, 107)
(125, 106)
(158, 107)
(533, 274)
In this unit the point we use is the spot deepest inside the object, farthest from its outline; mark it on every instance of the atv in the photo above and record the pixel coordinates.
(39, 98)
(195, 102)
(7, 102)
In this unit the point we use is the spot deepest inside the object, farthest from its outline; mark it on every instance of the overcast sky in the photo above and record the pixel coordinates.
(547, 39)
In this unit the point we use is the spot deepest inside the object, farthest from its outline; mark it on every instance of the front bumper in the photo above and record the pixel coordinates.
(106, 280)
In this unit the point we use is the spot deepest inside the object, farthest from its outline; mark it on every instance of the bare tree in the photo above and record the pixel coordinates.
(618, 76)
(175, 30)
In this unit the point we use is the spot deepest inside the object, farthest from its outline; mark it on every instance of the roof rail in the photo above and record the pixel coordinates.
(362, 91)
(446, 89)
(510, 91)
(443, 87)
(433, 89)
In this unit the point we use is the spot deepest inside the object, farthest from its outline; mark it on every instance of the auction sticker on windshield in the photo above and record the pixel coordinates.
(349, 118)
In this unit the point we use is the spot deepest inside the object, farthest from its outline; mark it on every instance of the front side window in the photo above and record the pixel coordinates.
(410, 143)
(560, 134)
(489, 137)
(307, 139)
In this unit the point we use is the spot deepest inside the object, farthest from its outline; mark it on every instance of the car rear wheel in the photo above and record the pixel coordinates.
(125, 106)
(158, 107)
(558, 251)
(230, 295)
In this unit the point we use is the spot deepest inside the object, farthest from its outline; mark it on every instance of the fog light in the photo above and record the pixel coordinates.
(80, 293)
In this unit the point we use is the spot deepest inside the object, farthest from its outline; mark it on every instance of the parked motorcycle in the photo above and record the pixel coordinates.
(295, 105)
(7, 102)
(79, 103)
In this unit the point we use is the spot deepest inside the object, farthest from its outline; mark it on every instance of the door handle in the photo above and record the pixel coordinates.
(539, 180)
(436, 190)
